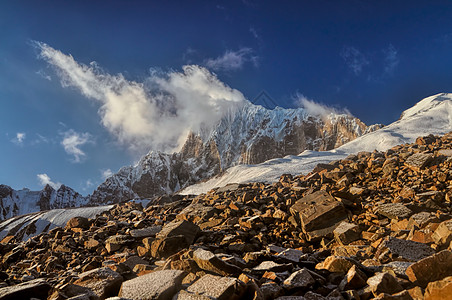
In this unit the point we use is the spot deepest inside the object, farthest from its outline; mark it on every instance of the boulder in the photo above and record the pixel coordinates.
(184, 228)
(394, 210)
(168, 246)
(217, 287)
(432, 268)
(208, 261)
(404, 249)
(438, 290)
(318, 211)
(443, 234)
(104, 282)
(159, 285)
(384, 283)
(354, 280)
(37, 288)
(299, 279)
(419, 161)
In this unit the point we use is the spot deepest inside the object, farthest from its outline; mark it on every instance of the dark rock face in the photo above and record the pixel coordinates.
(250, 135)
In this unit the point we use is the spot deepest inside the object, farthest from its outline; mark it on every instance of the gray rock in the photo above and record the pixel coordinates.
(406, 249)
(37, 288)
(221, 288)
(394, 211)
(271, 266)
(145, 232)
(419, 160)
(158, 285)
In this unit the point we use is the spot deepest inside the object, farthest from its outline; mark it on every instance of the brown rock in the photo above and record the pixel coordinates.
(37, 288)
(168, 246)
(184, 228)
(354, 280)
(78, 222)
(346, 233)
(432, 268)
(216, 287)
(384, 283)
(443, 234)
(208, 261)
(438, 290)
(299, 279)
(336, 264)
(418, 161)
(394, 210)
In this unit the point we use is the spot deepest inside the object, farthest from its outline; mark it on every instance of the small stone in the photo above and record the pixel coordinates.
(384, 283)
(157, 285)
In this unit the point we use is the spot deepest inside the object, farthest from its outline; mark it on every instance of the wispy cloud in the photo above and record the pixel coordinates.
(391, 59)
(19, 138)
(44, 75)
(318, 109)
(155, 114)
(72, 141)
(354, 59)
(44, 179)
(254, 33)
(106, 173)
(232, 60)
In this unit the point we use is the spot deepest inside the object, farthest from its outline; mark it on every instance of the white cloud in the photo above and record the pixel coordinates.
(391, 59)
(232, 60)
(354, 59)
(317, 109)
(155, 114)
(106, 173)
(72, 141)
(44, 179)
(20, 137)
(44, 75)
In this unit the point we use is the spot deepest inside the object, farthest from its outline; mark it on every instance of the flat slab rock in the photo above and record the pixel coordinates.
(159, 285)
(394, 211)
(419, 160)
(208, 261)
(217, 287)
(432, 268)
(104, 282)
(185, 228)
(37, 288)
(406, 249)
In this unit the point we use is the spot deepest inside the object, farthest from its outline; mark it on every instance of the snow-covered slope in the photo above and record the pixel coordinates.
(432, 115)
(26, 226)
(19, 202)
(250, 134)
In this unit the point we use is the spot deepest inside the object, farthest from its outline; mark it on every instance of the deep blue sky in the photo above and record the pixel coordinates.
(375, 58)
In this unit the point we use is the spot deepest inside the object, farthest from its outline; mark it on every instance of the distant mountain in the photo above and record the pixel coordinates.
(250, 134)
(20, 202)
(432, 115)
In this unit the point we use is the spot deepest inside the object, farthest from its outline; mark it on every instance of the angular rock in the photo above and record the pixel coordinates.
(159, 285)
(335, 264)
(346, 233)
(104, 282)
(168, 246)
(196, 213)
(394, 211)
(208, 261)
(354, 280)
(318, 210)
(443, 234)
(432, 268)
(271, 266)
(145, 232)
(299, 279)
(405, 249)
(418, 161)
(217, 287)
(438, 290)
(78, 222)
(384, 283)
(185, 228)
(37, 288)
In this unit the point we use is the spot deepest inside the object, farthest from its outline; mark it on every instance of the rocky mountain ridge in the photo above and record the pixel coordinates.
(20, 202)
(374, 225)
(249, 135)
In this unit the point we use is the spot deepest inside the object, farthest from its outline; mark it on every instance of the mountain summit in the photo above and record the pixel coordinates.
(251, 134)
